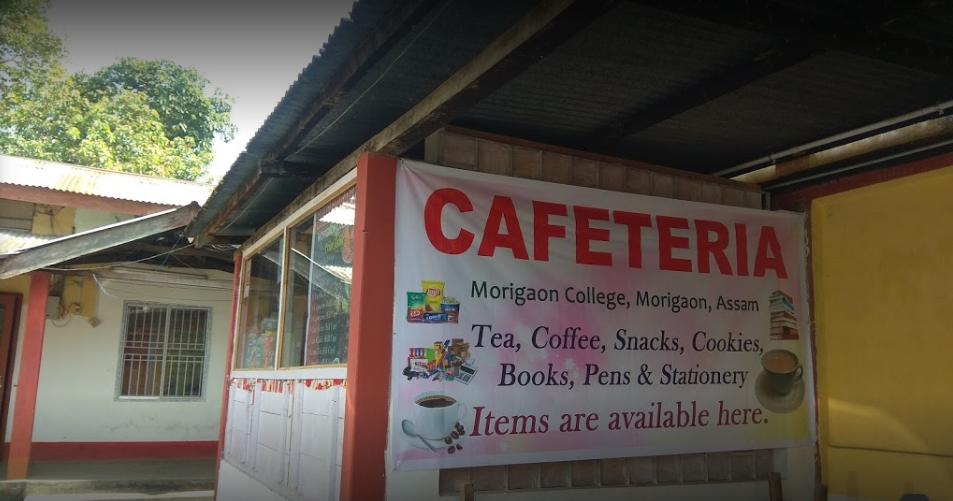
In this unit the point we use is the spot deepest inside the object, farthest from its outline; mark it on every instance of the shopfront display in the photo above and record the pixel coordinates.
(318, 304)
(260, 308)
(307, 270)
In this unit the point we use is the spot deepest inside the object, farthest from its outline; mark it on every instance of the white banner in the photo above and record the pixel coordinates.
(543, 322)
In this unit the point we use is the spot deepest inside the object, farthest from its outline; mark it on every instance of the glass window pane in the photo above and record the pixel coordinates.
(143, 351)
(258, 338)
(319, 295)
(185, 353)
(164, 352)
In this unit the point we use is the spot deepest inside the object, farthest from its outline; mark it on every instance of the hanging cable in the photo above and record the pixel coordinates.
(101, 286)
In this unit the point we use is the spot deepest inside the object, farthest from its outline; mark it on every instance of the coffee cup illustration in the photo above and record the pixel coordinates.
(436, 414)
(783, 370)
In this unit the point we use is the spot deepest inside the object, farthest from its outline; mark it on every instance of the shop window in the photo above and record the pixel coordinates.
(317, 305)
(261, 296)
(164, 351)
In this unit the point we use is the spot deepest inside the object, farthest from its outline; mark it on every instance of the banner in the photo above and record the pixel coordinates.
(542, 322)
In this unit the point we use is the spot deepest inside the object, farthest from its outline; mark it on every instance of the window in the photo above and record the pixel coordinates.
(164, 351)
(318, 304)
(260, 308)
(296, 291)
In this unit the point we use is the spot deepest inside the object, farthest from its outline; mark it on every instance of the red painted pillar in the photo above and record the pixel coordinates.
(369, 343)
(229, 350)
(28, 379)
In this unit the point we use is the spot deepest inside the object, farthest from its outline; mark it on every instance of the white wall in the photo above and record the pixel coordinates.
(77, 402)
(289, 441)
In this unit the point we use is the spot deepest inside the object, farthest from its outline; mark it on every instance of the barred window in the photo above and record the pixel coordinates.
(164, 352)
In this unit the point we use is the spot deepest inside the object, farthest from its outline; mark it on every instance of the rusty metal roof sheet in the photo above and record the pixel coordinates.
(11, 240)
(101, 183)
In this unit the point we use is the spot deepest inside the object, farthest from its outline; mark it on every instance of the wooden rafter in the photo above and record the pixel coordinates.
(249, 185)
(128, 256)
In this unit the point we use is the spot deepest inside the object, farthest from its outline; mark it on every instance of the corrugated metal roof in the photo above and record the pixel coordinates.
(823, 96)
(631, 59)
(445, 39)
(336, 52)
(18, 240)
(581, 87)
(100, 182)
(578, 89)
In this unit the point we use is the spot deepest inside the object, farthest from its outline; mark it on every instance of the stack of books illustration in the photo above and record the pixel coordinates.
(783, 320)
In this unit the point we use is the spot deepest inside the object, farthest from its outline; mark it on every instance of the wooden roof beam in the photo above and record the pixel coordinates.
(265, 170)
(287, 170)
(96, 240)
(225, 215)
(109, 258)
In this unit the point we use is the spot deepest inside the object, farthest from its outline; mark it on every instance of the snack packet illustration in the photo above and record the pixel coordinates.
(434, 292)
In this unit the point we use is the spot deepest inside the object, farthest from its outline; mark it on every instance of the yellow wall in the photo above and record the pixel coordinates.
(80, 296)
(883, 281)
(17, 285)
(53, 220)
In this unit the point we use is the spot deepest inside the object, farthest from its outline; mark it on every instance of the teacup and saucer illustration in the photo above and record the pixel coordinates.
(437, 423)
(780, 386)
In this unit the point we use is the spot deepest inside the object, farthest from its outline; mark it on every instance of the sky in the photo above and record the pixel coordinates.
(253, 51)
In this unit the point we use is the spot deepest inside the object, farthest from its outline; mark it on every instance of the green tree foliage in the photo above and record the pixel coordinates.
(28, 51)
(175, 92)
(148, 117)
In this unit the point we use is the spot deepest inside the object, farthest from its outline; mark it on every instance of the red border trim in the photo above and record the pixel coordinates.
(229, 351)
(10, 354)
(32, 194)
(800, 200)
(28, 380)
(111, 451)
(369, 343)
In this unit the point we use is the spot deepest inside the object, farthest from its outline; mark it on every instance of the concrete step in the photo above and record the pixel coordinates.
(114, 481)
(124, 496)
(150, 489)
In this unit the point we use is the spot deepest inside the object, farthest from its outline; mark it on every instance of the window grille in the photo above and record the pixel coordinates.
(164, 352)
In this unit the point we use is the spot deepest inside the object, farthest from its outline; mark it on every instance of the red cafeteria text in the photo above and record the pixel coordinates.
(501, 230)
